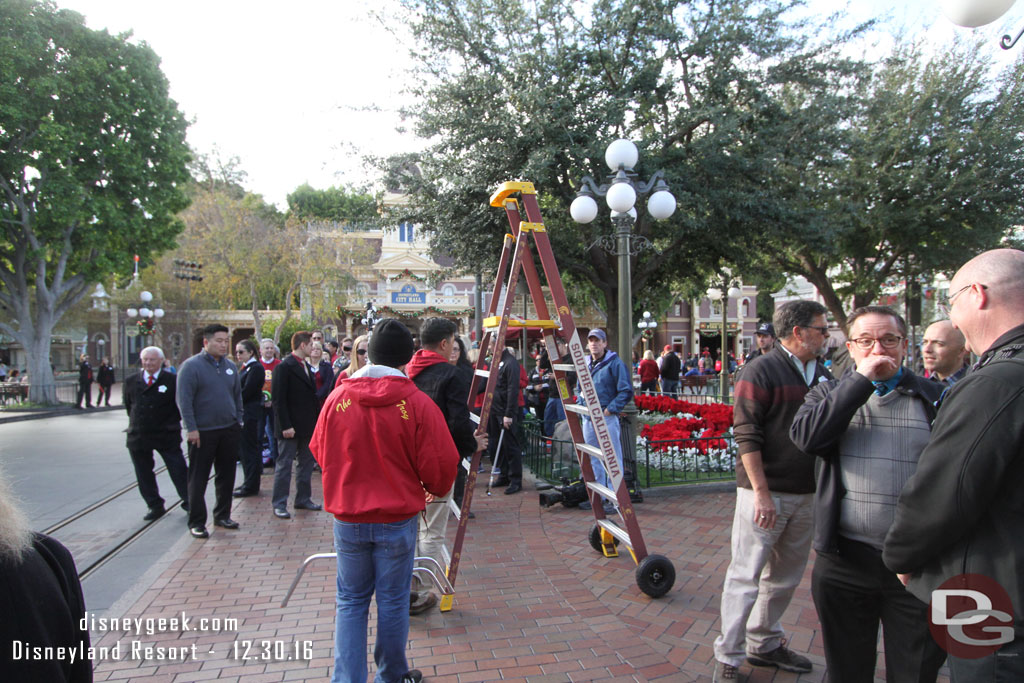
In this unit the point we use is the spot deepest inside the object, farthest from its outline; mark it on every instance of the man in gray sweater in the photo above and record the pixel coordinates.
(869, 429)
(210, 402)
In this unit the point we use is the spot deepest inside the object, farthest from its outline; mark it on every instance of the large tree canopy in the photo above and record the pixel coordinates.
(516, 90)
(926, 174)
(92, 167)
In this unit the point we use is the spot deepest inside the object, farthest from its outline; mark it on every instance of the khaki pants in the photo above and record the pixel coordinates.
(433, 525)
(766, 567)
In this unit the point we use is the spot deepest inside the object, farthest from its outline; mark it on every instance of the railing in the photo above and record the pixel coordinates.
(659, 463)
(13, 394)
(708, 394)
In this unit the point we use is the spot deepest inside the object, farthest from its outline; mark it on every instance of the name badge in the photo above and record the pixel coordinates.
(162, 388)
(230, 371)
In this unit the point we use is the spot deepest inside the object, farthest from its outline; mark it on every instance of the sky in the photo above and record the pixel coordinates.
(301, 92)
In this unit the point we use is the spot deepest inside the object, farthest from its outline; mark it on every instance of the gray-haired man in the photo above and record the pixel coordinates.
(154, 423)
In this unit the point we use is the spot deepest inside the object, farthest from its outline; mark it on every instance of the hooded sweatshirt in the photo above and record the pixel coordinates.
(447, 387)
(380, 442)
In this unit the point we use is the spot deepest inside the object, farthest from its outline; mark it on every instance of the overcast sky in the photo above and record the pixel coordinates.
(301, 91)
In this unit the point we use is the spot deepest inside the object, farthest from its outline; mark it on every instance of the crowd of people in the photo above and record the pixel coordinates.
(906, 486)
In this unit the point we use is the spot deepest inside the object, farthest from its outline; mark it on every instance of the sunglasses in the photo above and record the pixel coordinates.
(346, 348)
(361, 352)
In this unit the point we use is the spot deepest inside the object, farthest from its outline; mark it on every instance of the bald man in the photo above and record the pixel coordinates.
(944, 352)
(959, 518)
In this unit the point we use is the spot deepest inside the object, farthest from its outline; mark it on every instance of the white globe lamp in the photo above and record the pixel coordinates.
(621, 153)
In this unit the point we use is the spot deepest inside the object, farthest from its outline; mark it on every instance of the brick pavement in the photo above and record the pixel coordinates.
(534, 602)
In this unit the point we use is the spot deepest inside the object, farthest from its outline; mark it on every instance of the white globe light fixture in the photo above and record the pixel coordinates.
(734, 293)
(974, 13)
(621, 197)
(145, 312)
(661, 205)
(132, 312)
(159, 313)
(714, 294)
(621, 154)
(583, 209)
(146, 296)
(631, 213)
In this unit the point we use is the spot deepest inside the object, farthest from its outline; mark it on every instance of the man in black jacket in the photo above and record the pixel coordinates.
(505, 416)
(869, 429)
(154, 423)
(84, 382)
(433, 373)
(296, 409)
(671, 366)
(959, 518)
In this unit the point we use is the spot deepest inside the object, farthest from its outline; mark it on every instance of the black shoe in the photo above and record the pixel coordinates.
(585, 505)
(783, 658)
(242, 493)
(184, 505)
(226, 523)
(199, 532)
(154, 513)
(308, 506)
(412, 676)
(502, 482)
(472, 515)
(281, 513)
(514, 487)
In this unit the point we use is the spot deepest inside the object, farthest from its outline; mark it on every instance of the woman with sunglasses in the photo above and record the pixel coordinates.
(358, 359)
(252, 376)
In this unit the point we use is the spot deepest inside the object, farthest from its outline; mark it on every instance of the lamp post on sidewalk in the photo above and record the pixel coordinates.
(647, 322)
(716, 295)
(621, 190)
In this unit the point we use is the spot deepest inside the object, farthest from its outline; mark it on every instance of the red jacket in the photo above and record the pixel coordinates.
(649, 371)
(380, 441)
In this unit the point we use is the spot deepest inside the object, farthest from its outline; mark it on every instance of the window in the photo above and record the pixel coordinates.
(405, 233)
(448, 290)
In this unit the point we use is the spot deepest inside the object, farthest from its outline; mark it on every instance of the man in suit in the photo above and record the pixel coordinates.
(154, 423)
(252, 377)
(295, 414)
(85, 378)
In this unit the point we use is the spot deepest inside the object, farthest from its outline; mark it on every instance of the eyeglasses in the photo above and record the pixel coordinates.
(947, 304)
(823, 330)
(361, 352)
(888, 342)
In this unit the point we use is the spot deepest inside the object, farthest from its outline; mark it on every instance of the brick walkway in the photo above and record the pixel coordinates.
(534, 602)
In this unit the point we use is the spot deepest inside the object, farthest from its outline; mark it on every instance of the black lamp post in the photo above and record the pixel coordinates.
(621, 190)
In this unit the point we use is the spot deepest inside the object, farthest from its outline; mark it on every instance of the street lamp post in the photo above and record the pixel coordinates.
(647, 322)
(621, 190)
(148, 311)
(371, 318)
(975, 13)
(723, 376)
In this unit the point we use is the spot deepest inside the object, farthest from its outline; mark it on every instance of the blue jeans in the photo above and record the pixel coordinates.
(669, 387)
(590, 436)
(373, 558)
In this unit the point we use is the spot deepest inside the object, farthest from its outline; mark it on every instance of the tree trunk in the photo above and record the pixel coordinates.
(42, 387)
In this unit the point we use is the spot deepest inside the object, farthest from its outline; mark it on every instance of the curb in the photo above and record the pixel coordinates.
(57, 412)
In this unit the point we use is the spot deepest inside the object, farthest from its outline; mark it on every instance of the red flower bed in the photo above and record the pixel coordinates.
(710, 420)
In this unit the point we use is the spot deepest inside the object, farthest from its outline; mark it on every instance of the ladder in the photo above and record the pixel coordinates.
(655, 574)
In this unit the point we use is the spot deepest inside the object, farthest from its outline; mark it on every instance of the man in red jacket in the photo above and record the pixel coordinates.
(385, 449)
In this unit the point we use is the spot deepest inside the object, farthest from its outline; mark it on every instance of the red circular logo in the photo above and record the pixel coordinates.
(970, 616)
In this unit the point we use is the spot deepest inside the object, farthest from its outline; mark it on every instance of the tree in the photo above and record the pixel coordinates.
(924, 180)
(92, 167)
(335, 204)
(515, 90)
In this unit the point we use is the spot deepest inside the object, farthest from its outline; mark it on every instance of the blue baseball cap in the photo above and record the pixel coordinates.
(598, 334)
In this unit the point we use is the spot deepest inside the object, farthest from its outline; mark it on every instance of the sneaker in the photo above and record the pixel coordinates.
(412, 676)
(783, 658)
(724, 672)
(422, 603)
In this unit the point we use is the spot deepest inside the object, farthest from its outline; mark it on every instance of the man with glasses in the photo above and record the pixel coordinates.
(773, 523)
(344, 357)
(869, 429)
(958, 520)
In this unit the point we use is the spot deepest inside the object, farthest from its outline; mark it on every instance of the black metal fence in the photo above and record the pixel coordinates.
(658, 463)
(13, 394)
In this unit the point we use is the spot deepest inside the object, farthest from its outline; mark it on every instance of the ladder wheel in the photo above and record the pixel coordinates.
(655, 575)
(595, 539)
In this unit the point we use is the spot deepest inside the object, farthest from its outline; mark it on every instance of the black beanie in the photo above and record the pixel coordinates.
(390, 344)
